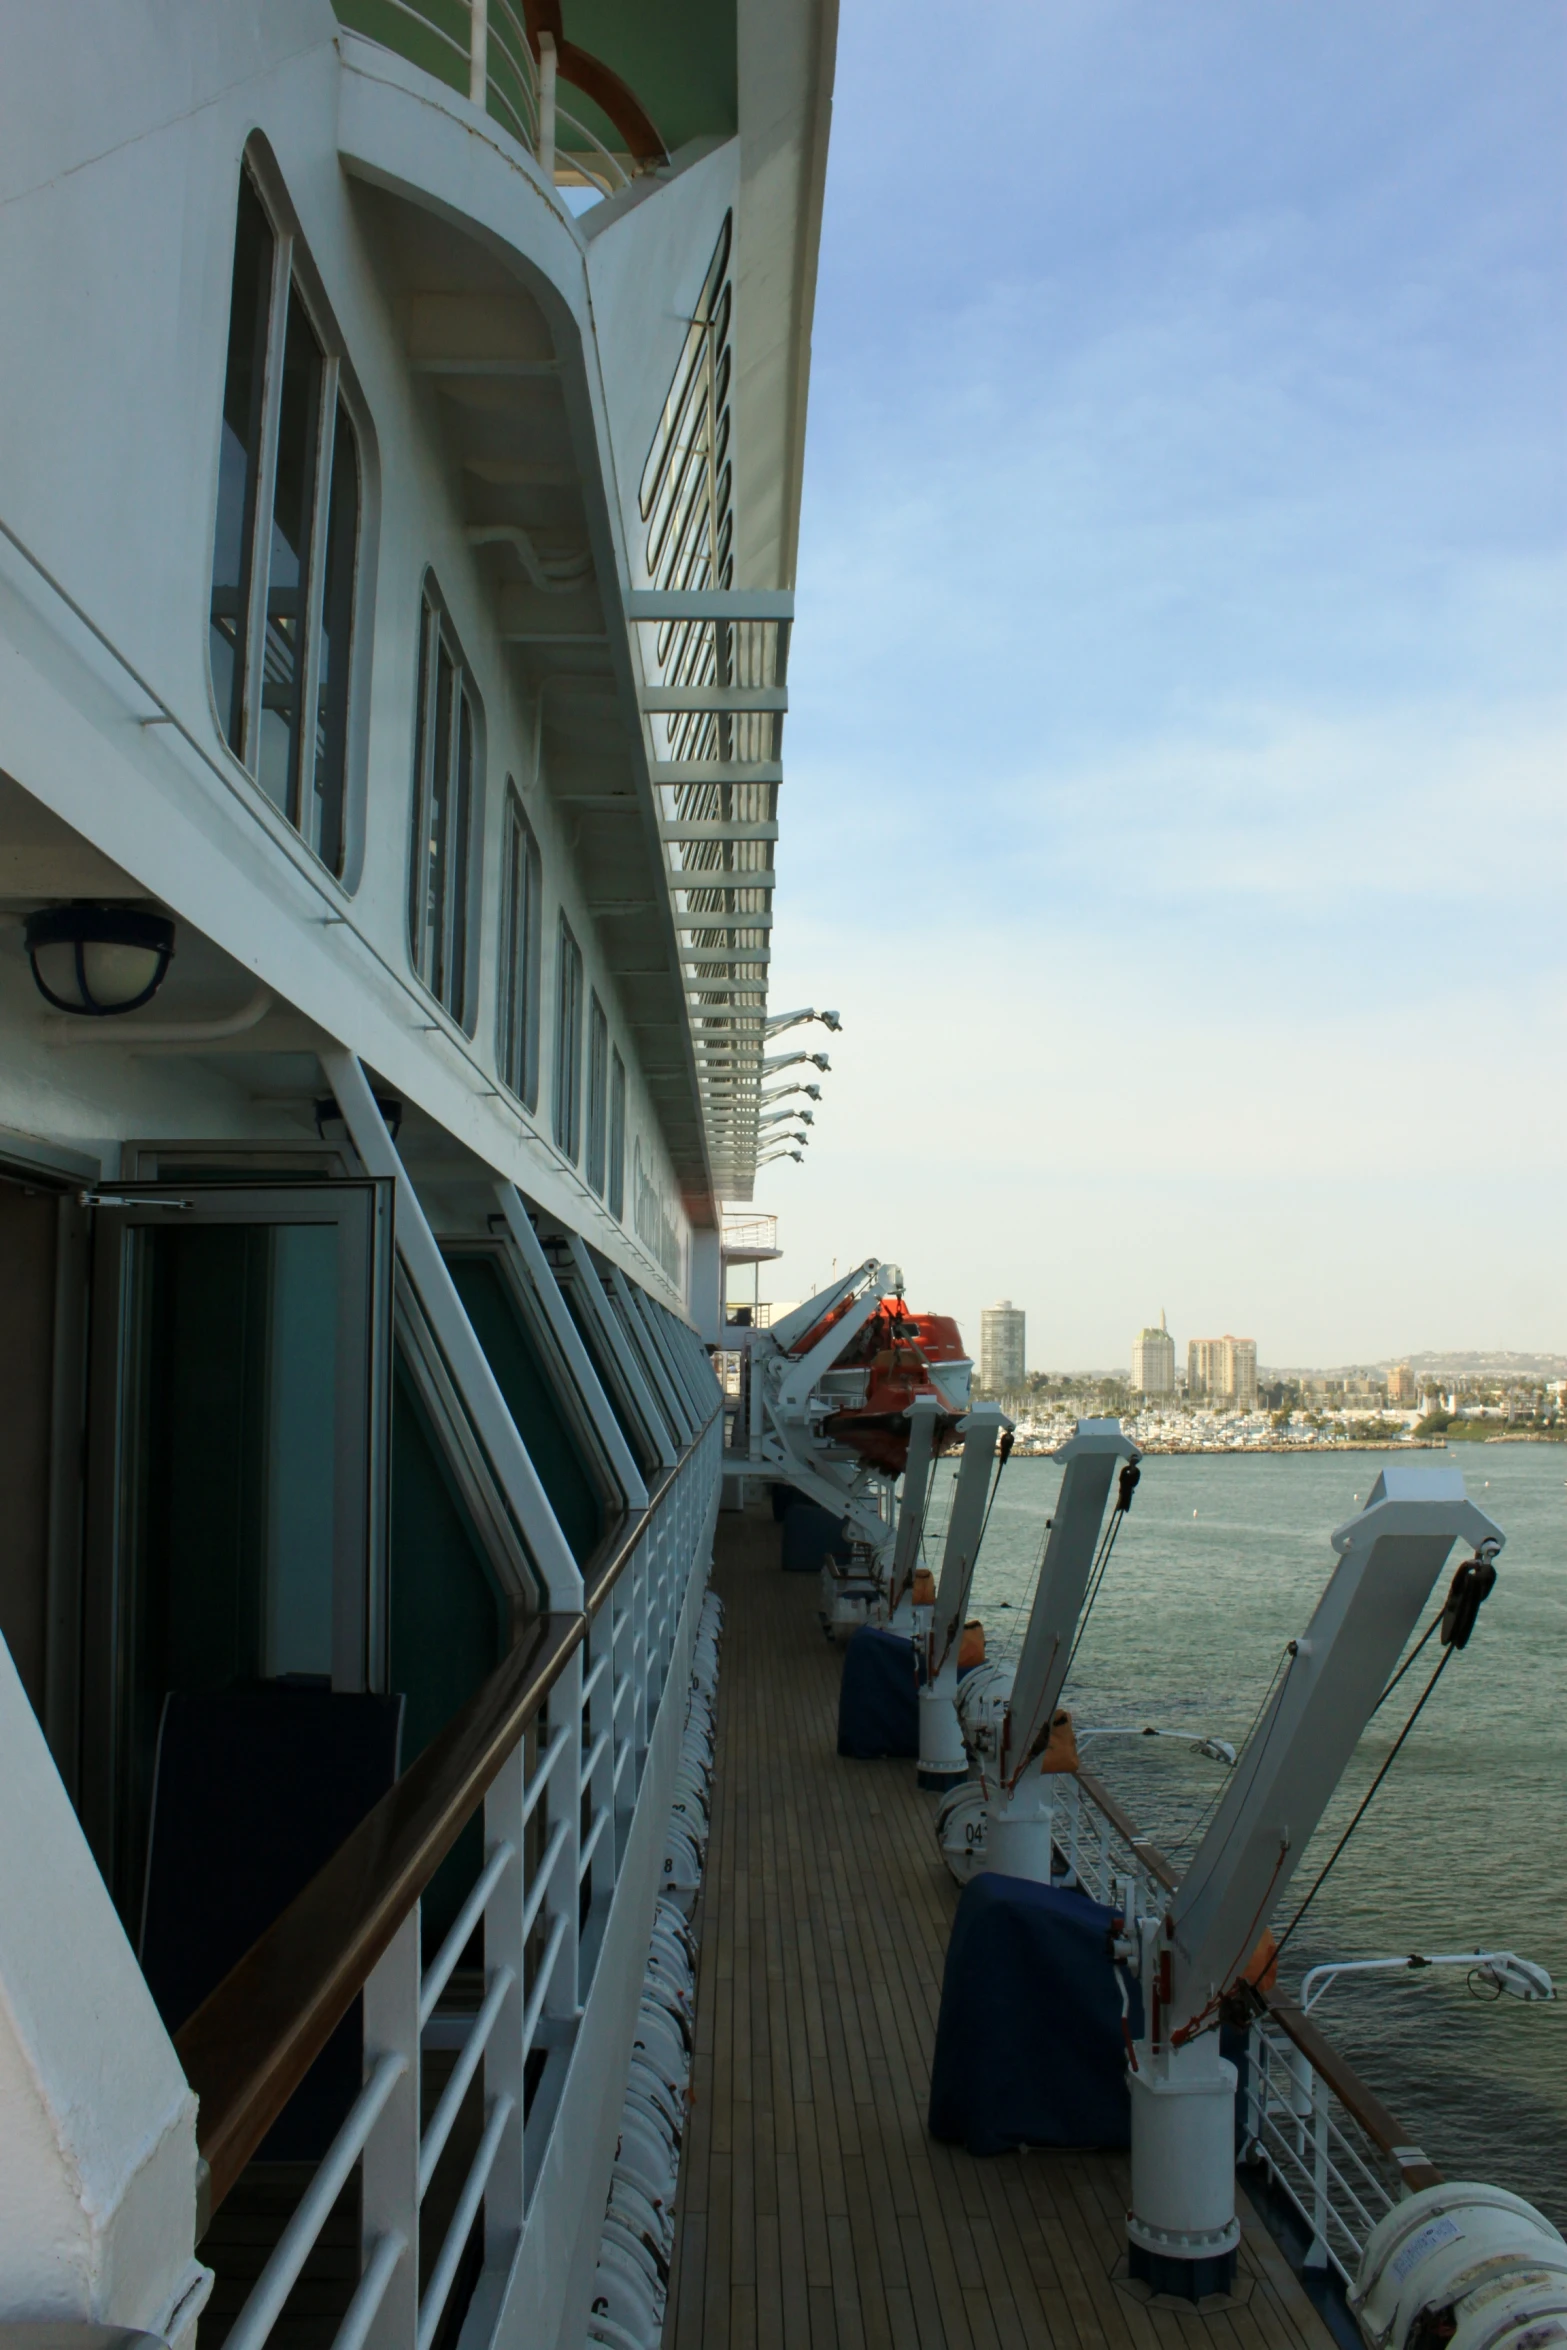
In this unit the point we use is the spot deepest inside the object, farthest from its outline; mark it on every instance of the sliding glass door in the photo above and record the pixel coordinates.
(238, 1465)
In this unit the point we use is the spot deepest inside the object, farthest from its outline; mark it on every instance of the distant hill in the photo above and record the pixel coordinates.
(1437, 1363)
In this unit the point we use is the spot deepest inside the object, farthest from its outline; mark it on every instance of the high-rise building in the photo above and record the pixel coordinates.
(1001, 1346)
(1223, 1370)
(1401, 1384)
(1153, 1361)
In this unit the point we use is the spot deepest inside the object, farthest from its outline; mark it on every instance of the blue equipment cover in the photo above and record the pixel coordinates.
(878, 1700)
(1029, 2047)
(809, 1534)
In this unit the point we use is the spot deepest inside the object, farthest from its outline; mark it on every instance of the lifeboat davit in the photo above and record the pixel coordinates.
(901, 1355)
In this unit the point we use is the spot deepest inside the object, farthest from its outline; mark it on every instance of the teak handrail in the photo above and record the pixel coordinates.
(1357, 2099)
(598, 81)
(252, 2040)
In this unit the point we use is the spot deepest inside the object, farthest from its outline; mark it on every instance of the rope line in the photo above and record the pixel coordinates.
(1471, 1586)
(1127, 1486)
(1365, 1802)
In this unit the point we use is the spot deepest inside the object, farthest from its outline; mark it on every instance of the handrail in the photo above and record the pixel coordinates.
(610, 1562)
(251, 2042)
(1381, 2126)
(253, 2039)
(598, 81)
(1386, 2133)
(1154, 1861)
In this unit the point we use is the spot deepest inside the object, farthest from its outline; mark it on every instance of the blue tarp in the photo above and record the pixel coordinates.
(1029, 2048)
(878, 1701)
(809, 1533)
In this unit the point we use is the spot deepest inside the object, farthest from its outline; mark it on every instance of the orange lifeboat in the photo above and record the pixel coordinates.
(903, 1355)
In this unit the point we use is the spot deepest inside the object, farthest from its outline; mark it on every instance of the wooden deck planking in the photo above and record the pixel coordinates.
(816, 2211)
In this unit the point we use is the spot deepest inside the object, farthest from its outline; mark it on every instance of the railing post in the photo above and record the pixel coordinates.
(479, 52)
(563, 1808)
(1317, 2256)
(1300, 2101)
(604, 1867)
(503, 2057)
(1072, 1807)
(547, 104)
(1256, 2070)
(389, 2183)
(641, 1637)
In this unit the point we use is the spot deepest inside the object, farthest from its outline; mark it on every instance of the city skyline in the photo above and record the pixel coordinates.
(1425, 1362)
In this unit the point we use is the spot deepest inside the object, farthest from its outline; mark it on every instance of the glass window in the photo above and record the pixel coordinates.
(598, 1092)
(288, 567)
(250, 303)
(522, 882)
(617, 1135)
(568, 1045)
(440, 870)
(286, 541)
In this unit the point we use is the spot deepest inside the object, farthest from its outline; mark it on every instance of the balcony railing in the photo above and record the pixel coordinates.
(750, 1234)
(512, 62)
(553, 1749)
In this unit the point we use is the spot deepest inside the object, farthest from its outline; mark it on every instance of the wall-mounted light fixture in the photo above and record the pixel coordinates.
(98, 960)
(328, 1114)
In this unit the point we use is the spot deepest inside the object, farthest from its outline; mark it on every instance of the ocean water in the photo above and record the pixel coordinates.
(1220, 1563)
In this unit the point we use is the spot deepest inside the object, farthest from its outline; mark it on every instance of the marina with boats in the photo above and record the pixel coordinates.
(513, 1829)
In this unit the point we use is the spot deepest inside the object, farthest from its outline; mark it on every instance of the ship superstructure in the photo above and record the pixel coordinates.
(403, 421)
(420, 1896)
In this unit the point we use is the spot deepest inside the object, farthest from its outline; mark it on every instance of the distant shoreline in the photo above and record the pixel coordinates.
(1332, 1444)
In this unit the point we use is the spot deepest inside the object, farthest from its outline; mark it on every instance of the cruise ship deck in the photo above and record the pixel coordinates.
(815, 2207)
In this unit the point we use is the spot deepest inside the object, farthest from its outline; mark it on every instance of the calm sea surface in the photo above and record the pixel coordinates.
(1221, 1562)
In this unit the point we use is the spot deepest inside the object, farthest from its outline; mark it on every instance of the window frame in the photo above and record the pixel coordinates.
(361, 1208)
(567, 1096)
(331, 829)
(597, 1121)
(449, 981)
(521, 954)
(615, 1187)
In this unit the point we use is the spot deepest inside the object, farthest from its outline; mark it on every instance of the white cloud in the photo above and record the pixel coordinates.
(1174, 796)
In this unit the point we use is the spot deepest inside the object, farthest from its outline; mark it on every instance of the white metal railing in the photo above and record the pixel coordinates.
(1338, 2182)
(493, 59)
(557, 1819)
(750, 1232)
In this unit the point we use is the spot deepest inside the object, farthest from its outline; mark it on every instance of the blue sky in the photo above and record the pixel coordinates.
(1174, 802)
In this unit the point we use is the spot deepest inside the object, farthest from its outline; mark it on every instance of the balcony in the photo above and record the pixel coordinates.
(515, 63)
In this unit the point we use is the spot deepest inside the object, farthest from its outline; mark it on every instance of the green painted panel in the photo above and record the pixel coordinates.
(520, 1376)
(448, 1620)
(641, 1452)
(681, 61)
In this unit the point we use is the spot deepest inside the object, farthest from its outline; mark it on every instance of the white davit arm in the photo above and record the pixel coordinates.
(1390, 1557)
(1092, 1457)
(981, 1433)
(792, 1327)
(924, 1413)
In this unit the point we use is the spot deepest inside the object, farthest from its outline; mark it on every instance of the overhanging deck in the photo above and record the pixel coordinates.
(815, 2208)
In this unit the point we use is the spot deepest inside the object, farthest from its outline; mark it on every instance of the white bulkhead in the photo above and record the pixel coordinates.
(399, 482)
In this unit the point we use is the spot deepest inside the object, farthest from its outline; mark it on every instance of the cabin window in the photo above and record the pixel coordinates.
(446, 732)
(285, 551)
(598, 1094)
(617, 1135)
(568, 1045)
(522, 889)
